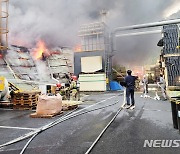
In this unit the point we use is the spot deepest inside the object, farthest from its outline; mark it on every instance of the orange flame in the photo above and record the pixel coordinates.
(78, 48)
(41, 48)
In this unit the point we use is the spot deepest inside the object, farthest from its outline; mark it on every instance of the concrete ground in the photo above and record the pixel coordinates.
(150, 120)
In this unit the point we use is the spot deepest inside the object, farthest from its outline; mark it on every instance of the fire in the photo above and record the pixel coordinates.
(41, 48)
(78, 48)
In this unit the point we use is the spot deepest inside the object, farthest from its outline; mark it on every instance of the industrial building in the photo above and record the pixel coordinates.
(41, 107)
(95, 52)
(18, 65)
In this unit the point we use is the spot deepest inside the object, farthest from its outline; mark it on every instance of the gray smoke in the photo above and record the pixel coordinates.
(57, 23)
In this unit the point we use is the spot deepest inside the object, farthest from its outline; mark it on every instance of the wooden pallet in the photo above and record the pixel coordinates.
(25, 100)
(35, 115)
(69, 107)
(24, 107)
(6, 104)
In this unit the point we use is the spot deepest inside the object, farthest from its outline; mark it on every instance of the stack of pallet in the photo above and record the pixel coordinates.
(25, 100)
(173, 70)
(171, 53)
(6, 104)
(171, 39)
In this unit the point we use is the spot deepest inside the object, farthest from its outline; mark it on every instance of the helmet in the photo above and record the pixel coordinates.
(58, 85)
(74, 77)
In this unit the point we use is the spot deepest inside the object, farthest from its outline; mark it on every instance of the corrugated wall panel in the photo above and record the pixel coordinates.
(92, 82)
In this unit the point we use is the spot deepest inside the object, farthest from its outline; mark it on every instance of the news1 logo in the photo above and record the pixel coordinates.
(162, 143)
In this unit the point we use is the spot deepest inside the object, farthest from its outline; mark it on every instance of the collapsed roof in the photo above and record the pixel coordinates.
(20, 68)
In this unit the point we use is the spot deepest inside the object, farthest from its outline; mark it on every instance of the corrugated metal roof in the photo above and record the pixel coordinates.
(22, 64)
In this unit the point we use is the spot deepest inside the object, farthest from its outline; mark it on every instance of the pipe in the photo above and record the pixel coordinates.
(140, 26)
(148, 25)
(139, 33)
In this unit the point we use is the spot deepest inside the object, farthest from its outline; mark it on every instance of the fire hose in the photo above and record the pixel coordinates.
(103, 131)
(62, 120)
(59, 120)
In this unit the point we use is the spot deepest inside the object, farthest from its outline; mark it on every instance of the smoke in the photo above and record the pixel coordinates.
(41, 67)
(172, 9)
(57, 23)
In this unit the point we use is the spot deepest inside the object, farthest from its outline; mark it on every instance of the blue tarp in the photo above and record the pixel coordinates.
(115, 86)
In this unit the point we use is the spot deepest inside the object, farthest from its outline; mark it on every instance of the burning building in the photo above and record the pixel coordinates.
(29, 68)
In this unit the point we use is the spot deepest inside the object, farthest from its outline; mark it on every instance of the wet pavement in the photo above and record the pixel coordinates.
(150, 120)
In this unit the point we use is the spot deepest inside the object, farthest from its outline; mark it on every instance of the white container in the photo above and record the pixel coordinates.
(91, 64)
(92, 82)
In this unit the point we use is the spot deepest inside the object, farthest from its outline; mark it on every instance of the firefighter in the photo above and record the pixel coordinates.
(74, 87)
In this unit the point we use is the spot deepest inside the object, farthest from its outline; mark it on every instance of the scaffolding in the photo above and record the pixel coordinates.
(4, 24)
(95, 37)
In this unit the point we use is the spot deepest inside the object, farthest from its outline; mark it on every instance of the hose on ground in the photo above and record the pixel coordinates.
(24, 148)
(100, 135)
(61, 119)
(64, 120)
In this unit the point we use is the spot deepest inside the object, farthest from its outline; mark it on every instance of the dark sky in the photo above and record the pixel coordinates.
(57, 22)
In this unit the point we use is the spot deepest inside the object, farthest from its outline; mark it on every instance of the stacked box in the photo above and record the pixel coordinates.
(172, 63)
(173, 70)
(171, 39)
